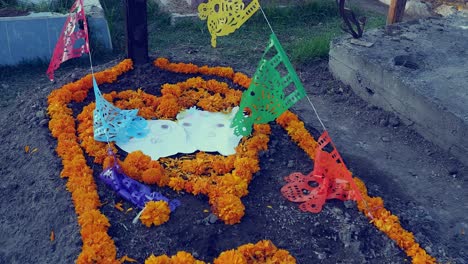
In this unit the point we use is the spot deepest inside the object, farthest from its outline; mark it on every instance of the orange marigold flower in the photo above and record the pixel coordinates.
(283, 257)
(262, 129)
(92, 221)
(79, 96)
(247, 250)
(246, 164)
(265, 249)
(82, 181)
(155, 213)
(61, 124)
(135, 163)
(183, 257)
(171, 89)
(161, 62)
(286, 118)
(212, 103)
(163, 259)
(85, 200)
(233, 184)
(169, 107)
(242, 80)
(216, 87)
(230, 257)
(98, 248)
(176, 183)
(201, 185)
(228, 208)
(155, 176)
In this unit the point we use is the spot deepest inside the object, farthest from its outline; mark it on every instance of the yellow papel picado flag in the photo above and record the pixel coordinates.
(225, 16)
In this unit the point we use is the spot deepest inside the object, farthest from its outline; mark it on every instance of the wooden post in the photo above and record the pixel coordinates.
(136, 28)
(396, 11)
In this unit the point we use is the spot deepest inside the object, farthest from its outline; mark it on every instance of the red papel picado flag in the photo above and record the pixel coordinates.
(75, 29)
(330, 179)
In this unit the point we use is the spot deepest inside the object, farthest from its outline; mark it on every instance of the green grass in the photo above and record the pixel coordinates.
(60, 6)
(305, 32)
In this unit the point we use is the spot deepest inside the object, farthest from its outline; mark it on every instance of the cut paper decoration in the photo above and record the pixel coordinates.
(73, 41)
(129, 189)
(165, 138)
(193, 130)
(330, 179)
(275, 87)
(208, 131)
(113, 124)
(225, 16)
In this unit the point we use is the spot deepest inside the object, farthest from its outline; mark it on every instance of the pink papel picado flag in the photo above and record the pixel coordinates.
(75, 29)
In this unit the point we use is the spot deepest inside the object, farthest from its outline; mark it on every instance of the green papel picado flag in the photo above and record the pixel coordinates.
(275, 87)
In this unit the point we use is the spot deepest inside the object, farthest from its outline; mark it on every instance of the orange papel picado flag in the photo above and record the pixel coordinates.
(330, 179)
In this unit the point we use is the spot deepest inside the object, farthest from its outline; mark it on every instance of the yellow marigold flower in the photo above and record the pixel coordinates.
(155, 213)
(230, 257)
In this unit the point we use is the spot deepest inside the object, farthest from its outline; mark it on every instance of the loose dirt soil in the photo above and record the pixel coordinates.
(418, 181)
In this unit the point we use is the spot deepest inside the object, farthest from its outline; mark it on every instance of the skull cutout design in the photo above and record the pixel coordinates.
(165, 138)
(208, 131)
(194, 130)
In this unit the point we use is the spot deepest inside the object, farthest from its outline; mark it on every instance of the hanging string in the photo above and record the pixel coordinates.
(316, 114)
(92, 73)
(310, 102)
(90, 59)
(268, 22)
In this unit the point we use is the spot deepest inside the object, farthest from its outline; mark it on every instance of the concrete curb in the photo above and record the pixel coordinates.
(419, 71)
(27, 38)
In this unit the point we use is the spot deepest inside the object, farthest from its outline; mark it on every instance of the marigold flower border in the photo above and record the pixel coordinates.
(97, 244)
